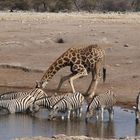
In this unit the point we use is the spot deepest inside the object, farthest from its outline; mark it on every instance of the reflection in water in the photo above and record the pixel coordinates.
(101, 129)
(137, 129)
(20, 125)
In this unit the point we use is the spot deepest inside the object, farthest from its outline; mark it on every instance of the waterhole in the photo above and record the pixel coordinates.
(21, 125)
(25, 125)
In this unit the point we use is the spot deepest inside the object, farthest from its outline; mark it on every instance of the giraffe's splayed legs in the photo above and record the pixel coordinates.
(78, 75)
(63, 79)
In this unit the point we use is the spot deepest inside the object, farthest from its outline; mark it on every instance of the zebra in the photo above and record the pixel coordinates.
(137, 107)
(12, 95)
(46, 102)
(67, 104)
(99, 103)
(22, 103)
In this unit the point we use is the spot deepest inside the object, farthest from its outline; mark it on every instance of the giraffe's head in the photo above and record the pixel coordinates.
(41, 84)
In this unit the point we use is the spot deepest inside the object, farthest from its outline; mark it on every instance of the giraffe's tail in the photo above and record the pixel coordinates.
(104, 74)
(104, 69)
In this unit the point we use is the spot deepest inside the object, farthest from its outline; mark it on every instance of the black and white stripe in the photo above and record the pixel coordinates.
(71, 102)
(22, 103)
(45, 102)
(12, 95)
(101, 102)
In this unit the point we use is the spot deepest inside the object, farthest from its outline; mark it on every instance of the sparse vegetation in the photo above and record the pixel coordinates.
(70, 5)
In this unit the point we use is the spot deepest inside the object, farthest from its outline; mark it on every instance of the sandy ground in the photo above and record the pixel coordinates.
(64, 137)
(29, 40)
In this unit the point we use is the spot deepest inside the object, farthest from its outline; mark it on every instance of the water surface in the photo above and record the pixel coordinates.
(21, 125)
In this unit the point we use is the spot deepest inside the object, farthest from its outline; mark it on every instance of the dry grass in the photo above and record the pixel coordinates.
(92, 17)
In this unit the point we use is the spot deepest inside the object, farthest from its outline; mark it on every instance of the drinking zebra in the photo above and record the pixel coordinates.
(99, 103)
(67, 104)
(22, 103)
(46, 102)
(137, 107)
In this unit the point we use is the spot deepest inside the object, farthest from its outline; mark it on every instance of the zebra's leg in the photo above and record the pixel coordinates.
(97, 114)
(68, 116)
(80, 111)
(63, 79)
(78, 75)
(111, 113)
(62, 117)
(137, 116)
(102, 113)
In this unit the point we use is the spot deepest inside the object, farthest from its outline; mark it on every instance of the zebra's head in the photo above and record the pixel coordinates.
(34, 108)
(91, 111)
(53, 112)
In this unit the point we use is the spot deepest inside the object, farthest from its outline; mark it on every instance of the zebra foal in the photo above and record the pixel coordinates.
(72, 102)
(99, 103)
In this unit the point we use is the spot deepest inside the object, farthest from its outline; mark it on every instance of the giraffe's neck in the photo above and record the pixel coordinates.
(54, 68)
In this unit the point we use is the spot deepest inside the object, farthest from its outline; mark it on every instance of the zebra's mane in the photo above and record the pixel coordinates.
(58, 101)
(9, 92)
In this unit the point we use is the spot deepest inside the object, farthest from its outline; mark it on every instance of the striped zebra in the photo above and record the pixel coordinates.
(22, 103)
(15, 94)
(99, 103)
(12, 95)
(67, 104)
(46, 102)
(137, 107)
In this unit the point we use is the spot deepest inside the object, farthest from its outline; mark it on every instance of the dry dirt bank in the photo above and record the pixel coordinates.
(29, 40)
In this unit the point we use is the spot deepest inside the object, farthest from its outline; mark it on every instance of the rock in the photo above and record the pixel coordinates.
(116, 41)
(129, 62)
(126, 45)
(135, 76)
(117, 65)
(59, 136)
(60, 40)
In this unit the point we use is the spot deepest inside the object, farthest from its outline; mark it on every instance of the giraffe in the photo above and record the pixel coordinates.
(81, 61)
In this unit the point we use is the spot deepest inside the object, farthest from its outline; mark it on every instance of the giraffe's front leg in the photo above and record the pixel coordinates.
(63, 79)
(78, 75)
(96, 78)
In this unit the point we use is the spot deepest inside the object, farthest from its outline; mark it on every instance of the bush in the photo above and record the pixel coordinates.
(20, 5)
(111, 5)
(62, 5)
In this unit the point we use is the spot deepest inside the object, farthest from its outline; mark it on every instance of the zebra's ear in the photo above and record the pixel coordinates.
(38, 85)
(51, 107)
